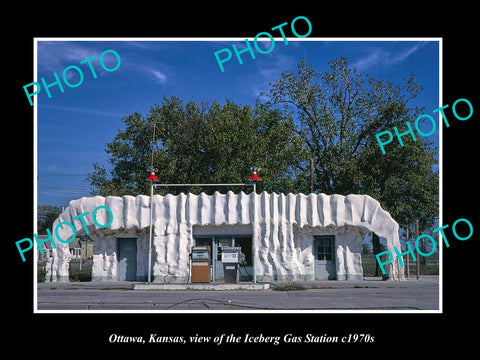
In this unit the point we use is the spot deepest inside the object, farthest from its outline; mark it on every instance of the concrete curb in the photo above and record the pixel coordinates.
(206, 286)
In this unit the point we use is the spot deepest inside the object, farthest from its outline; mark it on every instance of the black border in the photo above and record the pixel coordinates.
(394, 331)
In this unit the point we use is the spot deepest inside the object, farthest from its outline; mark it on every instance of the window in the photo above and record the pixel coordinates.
(324, 247)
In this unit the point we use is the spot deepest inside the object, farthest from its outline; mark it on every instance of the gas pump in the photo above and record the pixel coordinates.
(200, 264)
(231, 257)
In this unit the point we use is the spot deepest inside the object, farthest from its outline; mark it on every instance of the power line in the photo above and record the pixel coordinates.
(56, 187)
(62, 174)
(63, 190)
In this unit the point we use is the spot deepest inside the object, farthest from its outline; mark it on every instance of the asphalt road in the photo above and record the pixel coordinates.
(411, 295)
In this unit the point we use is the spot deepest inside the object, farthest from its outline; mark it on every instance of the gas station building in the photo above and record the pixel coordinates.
(282, 237)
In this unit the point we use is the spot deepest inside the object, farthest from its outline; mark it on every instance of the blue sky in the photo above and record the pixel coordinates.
(74, 126)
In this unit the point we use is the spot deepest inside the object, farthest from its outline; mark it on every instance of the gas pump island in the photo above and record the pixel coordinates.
(201, 272)
(200, 264)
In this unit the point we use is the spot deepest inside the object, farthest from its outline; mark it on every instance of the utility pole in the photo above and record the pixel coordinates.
(311, 175)
(408, 255)
(416, 252)
(81, 253)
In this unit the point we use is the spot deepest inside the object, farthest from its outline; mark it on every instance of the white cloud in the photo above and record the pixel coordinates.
(151, 73)
(381, 57)
(158, 76)
(407, 52)
(269, 72)
(83, 110)
(56, 55)
(371, 60)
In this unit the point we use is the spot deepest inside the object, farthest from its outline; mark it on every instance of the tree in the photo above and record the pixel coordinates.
(200, 143)
(338, 113)
(46, 216)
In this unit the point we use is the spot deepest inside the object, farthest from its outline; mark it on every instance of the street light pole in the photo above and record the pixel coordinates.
(150, 236)
(151, 178)
(254, 178)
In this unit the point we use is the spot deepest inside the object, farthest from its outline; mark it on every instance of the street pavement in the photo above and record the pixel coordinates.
(367, 295)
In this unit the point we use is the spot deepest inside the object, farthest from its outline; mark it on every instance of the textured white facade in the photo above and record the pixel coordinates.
(282, 228)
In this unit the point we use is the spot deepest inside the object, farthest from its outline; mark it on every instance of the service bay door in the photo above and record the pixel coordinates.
(127, 259)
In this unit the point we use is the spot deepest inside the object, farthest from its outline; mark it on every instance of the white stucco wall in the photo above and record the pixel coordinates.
(282, 229)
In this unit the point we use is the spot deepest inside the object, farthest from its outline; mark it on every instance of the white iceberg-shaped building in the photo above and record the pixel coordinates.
(284, 237)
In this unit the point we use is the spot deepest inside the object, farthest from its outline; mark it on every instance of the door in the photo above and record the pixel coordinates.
(324, 248)
(245, 270)
(127, 259)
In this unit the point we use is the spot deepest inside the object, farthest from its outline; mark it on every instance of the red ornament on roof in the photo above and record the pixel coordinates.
(152, 177)
(254, 176)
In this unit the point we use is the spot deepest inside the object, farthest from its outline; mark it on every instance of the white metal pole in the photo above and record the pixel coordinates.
(150, 236)
(254, 234)
(254, 269)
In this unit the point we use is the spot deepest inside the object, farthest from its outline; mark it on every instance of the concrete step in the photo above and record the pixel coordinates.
(200, 286)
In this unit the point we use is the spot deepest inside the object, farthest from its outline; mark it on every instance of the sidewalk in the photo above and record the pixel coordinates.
(368, 282)
(314, 284)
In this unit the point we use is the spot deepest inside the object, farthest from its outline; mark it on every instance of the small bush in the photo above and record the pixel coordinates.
(289, 287)
(81, 275)
(41, 274)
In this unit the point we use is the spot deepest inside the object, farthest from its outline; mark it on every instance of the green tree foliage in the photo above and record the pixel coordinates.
(331, 117)
(338, 113)
(199, 143)
(46, 216)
